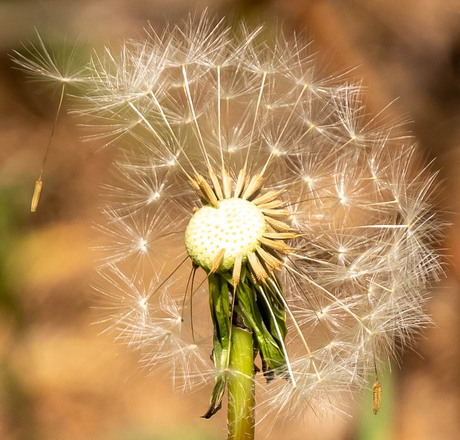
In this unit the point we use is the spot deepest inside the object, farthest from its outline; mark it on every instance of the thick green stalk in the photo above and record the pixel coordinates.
(241, 386)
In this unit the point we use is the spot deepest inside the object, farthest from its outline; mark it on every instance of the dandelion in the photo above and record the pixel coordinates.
(259, 217)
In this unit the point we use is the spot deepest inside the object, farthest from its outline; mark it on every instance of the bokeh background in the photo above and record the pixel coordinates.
(60, 379)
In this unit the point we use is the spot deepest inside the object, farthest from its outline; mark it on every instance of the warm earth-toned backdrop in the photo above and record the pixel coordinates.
(59, 378)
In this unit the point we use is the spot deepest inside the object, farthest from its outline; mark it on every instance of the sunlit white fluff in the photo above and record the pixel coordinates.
(206, 95)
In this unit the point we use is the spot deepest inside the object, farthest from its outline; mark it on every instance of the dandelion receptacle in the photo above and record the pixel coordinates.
(264, 235)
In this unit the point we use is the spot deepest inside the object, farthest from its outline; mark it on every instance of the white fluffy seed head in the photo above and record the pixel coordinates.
(203, 96)
(237, 226)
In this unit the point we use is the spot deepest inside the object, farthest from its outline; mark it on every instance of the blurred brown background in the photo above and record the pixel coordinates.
(59, 378)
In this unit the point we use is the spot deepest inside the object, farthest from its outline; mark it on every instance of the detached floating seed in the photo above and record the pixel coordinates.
(37, 193)
(377, 396)
(39, 182)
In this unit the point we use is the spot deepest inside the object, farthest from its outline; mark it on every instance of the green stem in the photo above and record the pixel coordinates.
(241, 386)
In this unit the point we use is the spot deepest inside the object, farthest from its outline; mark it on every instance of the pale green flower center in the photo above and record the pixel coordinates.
(237, 226)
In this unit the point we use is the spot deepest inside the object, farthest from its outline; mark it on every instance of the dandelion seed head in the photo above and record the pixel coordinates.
(237, 148)
(237, 226)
